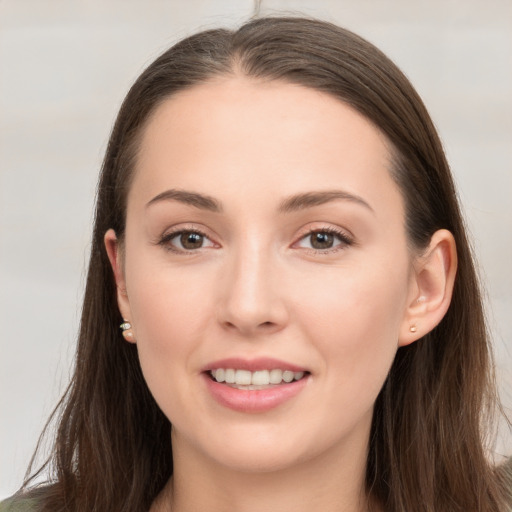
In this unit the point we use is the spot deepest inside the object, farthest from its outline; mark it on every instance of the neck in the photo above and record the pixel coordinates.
(328, 482)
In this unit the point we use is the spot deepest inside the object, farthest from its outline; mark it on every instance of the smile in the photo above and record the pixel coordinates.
(254, 386)
(245, 379)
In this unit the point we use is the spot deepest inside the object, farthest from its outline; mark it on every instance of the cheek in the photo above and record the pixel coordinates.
(170, 312)
(354, 318)
(166, 301)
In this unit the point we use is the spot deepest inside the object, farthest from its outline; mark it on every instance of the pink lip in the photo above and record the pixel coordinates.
(258, 400)
(253, 365)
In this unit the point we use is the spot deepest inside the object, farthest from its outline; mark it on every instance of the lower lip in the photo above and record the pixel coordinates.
(257, 400)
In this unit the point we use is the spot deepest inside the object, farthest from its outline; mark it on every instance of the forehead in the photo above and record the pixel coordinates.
(269, 137)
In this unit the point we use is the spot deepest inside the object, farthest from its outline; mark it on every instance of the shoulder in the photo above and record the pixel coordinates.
(19, 505)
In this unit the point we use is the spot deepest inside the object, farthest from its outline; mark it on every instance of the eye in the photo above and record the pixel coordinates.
(324, 240)
(186, 241)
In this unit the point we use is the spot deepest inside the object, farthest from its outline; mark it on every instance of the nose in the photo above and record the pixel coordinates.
(252, 300)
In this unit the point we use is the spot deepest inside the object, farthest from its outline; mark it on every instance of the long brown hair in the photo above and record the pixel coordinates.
(427, 446)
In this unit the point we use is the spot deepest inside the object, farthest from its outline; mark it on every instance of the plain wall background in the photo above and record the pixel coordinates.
(64, 69)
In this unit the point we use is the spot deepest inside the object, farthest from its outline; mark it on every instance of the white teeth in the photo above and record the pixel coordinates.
(261, 378)
(243, 377)
(276, 376)
(287, 376)
(257, 378)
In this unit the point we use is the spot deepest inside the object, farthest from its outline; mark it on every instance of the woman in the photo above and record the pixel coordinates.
(278, 236)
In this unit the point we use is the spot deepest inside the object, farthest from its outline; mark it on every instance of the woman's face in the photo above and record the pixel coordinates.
(264, 234)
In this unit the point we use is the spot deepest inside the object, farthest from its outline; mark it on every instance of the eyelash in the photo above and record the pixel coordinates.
(343, 237)
(165, 240)
(346, 240)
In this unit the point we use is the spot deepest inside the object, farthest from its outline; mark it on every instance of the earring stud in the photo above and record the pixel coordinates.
(412, 328)
(126, 330)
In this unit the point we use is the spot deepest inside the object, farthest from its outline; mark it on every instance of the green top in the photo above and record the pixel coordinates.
(18, 505)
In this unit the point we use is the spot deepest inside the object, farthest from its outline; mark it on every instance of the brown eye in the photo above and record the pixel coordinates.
(324, 240)
(321, 240)
(186, 241)
(191, 240)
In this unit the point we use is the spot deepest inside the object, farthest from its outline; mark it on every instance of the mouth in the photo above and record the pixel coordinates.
(254, 386)
(255, 380)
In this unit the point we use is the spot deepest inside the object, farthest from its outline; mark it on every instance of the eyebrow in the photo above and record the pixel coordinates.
(310, 199)
(195, 199)
(289, 205)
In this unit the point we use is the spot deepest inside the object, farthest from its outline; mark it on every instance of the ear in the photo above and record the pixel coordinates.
(114, 253)
(431, 288)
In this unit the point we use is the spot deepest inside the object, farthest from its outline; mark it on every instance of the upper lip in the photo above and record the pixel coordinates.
(253, 365)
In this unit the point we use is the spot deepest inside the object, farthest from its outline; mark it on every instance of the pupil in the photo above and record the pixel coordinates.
(191, 240)
(322, 240)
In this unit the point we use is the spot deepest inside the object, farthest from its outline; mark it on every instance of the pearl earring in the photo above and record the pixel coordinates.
(126, 328)
(412, 328)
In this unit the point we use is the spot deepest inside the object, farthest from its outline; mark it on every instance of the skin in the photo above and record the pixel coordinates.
(257, 288)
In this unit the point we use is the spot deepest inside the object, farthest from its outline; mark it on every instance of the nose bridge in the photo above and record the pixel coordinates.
(252, 299)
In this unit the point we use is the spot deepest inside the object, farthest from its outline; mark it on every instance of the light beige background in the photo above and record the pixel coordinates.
(64, 68)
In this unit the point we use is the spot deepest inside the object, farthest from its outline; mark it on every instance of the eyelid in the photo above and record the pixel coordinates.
(171, 233)
(345, 236)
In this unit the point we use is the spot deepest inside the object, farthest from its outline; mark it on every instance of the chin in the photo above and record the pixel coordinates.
(260, 461)
(255, 449)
